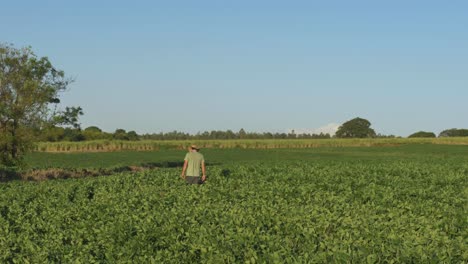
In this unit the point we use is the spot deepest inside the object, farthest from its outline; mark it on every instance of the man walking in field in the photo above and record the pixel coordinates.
(192, 163)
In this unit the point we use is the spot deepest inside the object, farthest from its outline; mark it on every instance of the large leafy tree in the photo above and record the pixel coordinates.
(356, 128)
(29, 94)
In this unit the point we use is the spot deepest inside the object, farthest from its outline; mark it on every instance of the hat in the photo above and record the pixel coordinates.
(195, 147)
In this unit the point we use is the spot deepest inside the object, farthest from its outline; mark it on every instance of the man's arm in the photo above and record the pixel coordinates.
(184, 169)
(203, 170)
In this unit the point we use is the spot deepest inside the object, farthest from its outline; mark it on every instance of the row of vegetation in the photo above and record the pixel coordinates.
(152, 145)
(289, 212)
(347, 130)
(446, 133)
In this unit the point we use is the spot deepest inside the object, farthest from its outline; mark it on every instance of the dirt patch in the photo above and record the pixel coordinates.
(56, 173)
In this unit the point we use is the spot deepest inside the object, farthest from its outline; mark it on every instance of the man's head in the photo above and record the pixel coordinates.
(194, 148)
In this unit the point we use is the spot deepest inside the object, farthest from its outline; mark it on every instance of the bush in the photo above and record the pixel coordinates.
(422, 134)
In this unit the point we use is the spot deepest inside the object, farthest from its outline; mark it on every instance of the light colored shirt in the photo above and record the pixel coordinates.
(195, 160)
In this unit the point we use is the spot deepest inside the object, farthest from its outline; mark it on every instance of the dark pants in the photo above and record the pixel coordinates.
(193, 180)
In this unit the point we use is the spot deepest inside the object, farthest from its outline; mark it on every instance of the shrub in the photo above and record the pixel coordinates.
(422, 134)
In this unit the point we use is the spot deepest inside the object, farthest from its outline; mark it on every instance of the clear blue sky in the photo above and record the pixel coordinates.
(155, 66)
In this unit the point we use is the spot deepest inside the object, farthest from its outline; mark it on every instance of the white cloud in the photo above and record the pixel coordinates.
(326, 129)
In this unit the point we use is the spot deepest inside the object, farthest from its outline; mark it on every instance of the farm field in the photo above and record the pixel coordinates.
(404, 153)
(401, 204)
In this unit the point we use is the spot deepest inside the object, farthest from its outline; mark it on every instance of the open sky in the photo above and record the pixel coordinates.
(261, 65)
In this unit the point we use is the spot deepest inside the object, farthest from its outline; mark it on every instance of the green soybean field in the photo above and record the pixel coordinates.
(325, 205)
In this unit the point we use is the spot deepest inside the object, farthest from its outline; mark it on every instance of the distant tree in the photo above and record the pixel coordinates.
(281, 135)
(120, 134)
(385, 136)
(242, 134)
(71, 134)
(215, 134)
(120, 131)
(356, 128)
(454, 133)
(132, 135)
(317, 136)
(93, 129)
(422, 134)
(51, 134)
(29, 86)
(230, 134)
(292, 135)
(69, 117)
(94, 133)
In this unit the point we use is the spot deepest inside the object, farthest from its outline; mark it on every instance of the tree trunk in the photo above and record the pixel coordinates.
(14, 140)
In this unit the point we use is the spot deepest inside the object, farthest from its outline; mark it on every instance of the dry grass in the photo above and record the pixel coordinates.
(58, 173)
(109, 146)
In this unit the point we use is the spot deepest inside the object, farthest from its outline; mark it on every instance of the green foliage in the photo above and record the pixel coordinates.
(28, 86)
(327, 211)
(422, 134)
(120, 134)
(73, 135)
(69, 117)
(95, 133)
(60, 134)
(229, 135)
(133, 136)
(149, 145)
(454, 133)
(93, 129)
(356, 128)
(51, 134)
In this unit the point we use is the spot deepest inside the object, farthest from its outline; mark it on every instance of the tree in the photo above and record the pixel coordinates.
(120, 134)
(454, 133)
(356, 128)
(133, 136)
(94, 129)
(422, 134)
(242, 134)
(292, 135)
(69, 117)
(29, 86)
(51, 134)
(71, 134)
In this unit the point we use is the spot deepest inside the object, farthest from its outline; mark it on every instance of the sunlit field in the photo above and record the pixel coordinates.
(358, 204)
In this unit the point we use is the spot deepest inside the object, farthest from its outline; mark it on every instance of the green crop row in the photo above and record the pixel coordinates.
(116, 145)
(410, 211)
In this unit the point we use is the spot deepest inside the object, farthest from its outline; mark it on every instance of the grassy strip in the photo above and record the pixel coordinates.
(45, 160)
(115, 145)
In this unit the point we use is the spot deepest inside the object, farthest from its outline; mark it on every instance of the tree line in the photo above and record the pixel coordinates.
(354, 128)
(453, 132)
(56, 134)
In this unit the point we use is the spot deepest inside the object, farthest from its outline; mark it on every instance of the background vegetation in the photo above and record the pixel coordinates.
(150, 145)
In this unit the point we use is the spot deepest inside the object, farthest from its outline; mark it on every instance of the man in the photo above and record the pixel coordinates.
(192, 163)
